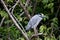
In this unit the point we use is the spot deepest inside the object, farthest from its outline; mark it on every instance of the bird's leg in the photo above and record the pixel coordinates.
(36, 32)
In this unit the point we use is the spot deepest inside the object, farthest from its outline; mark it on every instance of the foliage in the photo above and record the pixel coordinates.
(49, 25)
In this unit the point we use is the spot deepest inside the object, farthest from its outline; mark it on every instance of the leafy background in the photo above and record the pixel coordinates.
(49, 25)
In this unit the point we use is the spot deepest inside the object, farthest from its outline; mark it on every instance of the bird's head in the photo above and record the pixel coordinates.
(41, 15)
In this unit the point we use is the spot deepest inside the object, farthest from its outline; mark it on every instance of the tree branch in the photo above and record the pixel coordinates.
(21, 13)
(38, 34)
(25, 10)
(34, 35)
(2, 21)
(13, 7)
(34, 7)
(27, 3)
(16, 24)
(57, 10)
(35, 30)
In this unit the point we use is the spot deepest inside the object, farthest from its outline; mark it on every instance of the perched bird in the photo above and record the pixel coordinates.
(34, 21)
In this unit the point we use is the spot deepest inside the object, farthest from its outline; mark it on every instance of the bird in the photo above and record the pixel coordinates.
(34, 21)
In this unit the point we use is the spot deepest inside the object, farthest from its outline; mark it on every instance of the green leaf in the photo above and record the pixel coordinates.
(8, 21)
(42, 28)
(23, 1)
(52, 10)
(45, 6)
(22, 39)
(50, 38)
(50, 5)
(45, 1)
(18, 17)
(29, 33)
(47, 38)
(53, 38)
(9, 0)
(30, 9)
(51, 0)
(54, 22)
(3, 14)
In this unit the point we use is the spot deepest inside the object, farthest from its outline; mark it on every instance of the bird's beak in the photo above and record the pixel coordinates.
(44, 17)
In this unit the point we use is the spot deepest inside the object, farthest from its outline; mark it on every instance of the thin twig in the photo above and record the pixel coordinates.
(34, 7)
(57, 10)
(14, 6)
(19, 23)
(16, 24)
(34, 35)
(2, 21)
(27, 3)
(38, 34)
(52, 27)
(25, 10)
(21, 13)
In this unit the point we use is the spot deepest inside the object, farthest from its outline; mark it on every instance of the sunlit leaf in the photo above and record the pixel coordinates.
(3, 14)
(42, 28)
(50, 5)
(45, 1)
(9, 0)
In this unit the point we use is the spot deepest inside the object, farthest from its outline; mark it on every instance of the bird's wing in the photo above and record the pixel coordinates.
(36, 22)
(30, 23)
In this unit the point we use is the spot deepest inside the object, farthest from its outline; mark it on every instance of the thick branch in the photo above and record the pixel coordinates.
(16, 24)
(13, 7)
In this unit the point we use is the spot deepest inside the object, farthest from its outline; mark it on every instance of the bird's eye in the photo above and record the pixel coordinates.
(42, 14)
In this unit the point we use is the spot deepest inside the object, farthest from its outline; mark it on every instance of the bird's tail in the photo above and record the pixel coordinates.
(28, 27)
